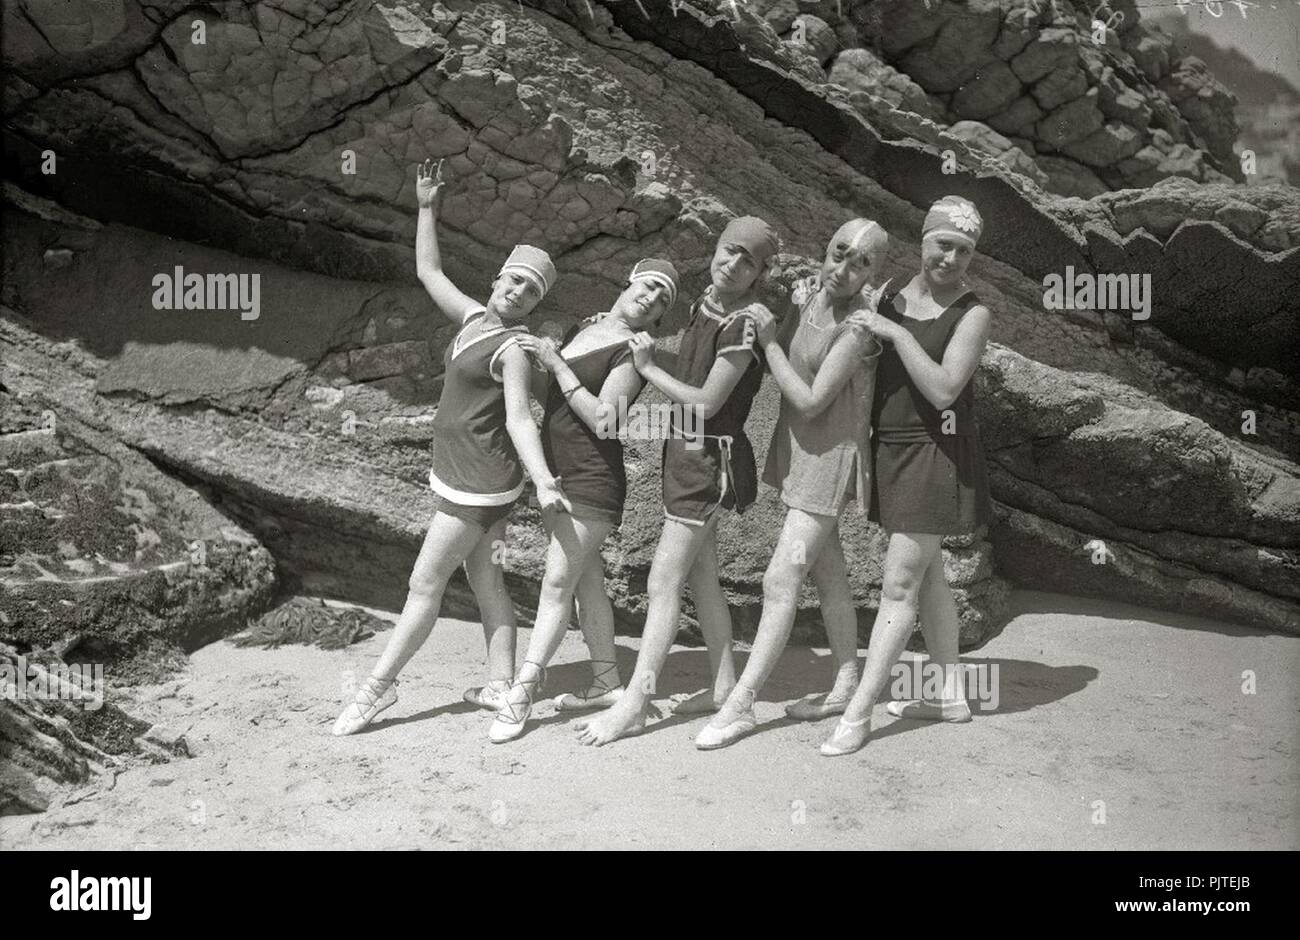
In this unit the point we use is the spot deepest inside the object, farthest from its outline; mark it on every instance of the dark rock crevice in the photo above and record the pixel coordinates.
(1017, 226)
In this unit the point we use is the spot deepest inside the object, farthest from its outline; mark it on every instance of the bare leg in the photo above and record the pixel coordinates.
(573, 542)
(801, 540)
(839, 616)
(596, 619)
(595, 612)
(715, 623)
(940, 627)
(485, 570)
(797, 549)
(938, 612)
(679, 544)
(906, 559)
(448, 541)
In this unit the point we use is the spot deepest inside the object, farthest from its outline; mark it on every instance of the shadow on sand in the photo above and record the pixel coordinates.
(1019, 684)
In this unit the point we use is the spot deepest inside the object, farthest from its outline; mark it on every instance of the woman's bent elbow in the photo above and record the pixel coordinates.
(945, 401)
(518, 429)
(812, 407)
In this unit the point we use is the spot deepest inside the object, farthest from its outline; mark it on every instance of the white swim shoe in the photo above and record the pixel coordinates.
(604, 682)
(739, 703)
(847, 738)
(511, 718)
(372, 697)
(485, 696)
(954, 710)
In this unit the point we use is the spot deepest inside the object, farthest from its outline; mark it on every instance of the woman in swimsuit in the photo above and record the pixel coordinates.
(484, 438)
(718, 371)
(594, 380)
(820, 458)
(930, 479)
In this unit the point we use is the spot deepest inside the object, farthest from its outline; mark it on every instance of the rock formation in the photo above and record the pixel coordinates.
(102, 553)
(63, 736)
(1268, 107)
(283, 145)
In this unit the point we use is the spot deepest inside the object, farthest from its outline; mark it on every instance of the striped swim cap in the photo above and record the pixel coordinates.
(860, 235)
(532, 263)
(657, 271)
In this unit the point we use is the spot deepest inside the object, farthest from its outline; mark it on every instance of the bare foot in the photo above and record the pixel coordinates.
(704, 702)
(623, 720)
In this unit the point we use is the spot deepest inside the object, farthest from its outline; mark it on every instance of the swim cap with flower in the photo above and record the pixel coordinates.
(953, 216)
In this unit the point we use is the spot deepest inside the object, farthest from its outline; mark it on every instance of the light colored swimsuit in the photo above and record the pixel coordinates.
(822, 462)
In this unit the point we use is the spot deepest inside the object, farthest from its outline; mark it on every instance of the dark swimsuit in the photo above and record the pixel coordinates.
(476, 471)
(718, 472)
(589, 467)
(930, 475)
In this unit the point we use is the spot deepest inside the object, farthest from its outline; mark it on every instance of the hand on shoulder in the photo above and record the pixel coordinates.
(803, 290)
(764, 325)
(873, 324)
(868, 298)
(749, 319)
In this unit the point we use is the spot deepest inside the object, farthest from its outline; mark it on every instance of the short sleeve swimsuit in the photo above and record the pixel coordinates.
(930, 474)
(476, 472)
(822, 462)
(701, 475)
(589, 467)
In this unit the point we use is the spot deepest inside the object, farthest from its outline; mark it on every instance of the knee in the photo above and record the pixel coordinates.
(900, 585)
(559, 581)
(781, 584)
(427, 584)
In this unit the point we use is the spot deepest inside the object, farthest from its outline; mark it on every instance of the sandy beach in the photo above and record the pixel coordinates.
(1116, 728)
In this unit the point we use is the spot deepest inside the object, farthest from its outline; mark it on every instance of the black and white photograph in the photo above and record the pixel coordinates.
(664, 425)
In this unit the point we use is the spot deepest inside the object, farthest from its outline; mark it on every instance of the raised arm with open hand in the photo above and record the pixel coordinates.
(428, 261)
